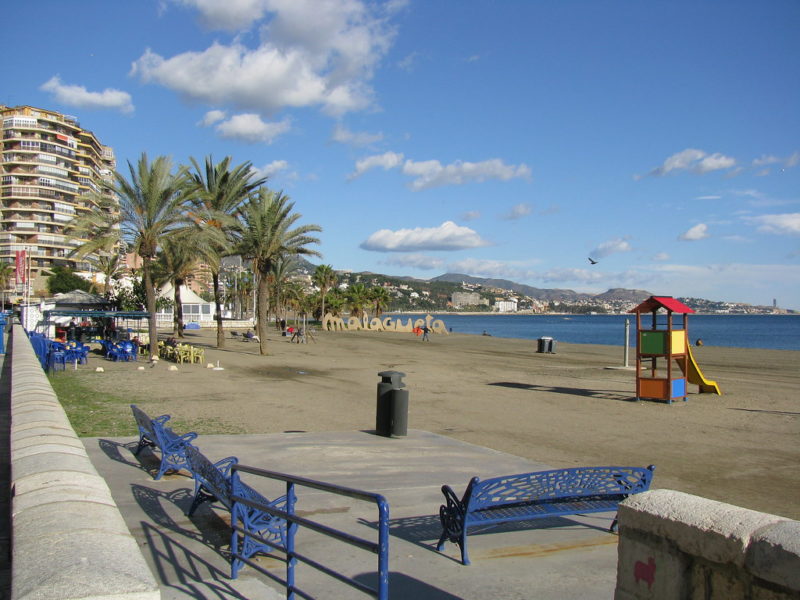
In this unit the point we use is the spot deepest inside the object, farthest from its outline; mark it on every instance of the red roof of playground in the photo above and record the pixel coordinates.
(669, 303)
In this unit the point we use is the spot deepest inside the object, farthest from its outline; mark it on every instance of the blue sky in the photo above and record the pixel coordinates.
(507, 139)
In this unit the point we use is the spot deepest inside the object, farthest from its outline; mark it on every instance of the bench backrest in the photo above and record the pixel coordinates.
(581, 482)
(144, 422)
(214, 479)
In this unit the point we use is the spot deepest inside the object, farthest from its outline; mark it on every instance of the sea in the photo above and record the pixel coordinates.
(771, 332)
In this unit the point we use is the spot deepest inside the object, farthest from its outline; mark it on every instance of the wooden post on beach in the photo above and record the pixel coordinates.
(627, 342)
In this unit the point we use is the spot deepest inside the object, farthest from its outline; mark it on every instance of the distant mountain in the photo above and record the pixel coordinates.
(547, 295)
(527, 290)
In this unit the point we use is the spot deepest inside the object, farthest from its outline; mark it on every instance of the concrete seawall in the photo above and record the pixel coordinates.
(675, 545)
(69, 538)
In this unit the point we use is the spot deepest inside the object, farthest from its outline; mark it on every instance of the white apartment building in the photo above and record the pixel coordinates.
(49, 168)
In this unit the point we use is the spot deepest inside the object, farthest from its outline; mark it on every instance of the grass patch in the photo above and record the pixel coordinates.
(100, 414)
(93, 414)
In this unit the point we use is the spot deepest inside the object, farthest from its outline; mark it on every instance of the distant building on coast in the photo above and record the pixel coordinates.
(463, 299)
(50, 168)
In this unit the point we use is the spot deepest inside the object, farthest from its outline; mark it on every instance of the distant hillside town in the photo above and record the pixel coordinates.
(464, 293)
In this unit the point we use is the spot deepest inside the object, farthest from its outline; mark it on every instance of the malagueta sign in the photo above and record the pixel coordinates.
(331, 323)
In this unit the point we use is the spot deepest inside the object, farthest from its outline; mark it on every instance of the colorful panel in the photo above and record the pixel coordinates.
(653, 342)
(678, 388)
(654, 388)
(679, 342)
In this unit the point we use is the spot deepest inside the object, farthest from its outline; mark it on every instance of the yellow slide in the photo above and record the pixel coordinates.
(695, 376)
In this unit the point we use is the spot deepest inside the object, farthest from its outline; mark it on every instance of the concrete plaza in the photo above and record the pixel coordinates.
(559, 558)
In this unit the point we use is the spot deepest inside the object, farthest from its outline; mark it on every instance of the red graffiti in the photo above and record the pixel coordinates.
(645, 572)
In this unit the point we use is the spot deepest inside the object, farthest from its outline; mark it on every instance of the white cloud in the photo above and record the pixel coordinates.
(565, 275)
(714, 162)
(231, 15)
(78, 95)
(311, 53)
(765, 159)
(408, 62)
(692, 159)
(431, 173)
(344, 136)
(490, 268)
(785, 224)
(250, 128)
(385, 161)
(660, 257)
(415, 261)
(448, 236)
(518, 211)
(710, 197)
(610, 247)
(211, 117)
(471, 215)
(271, 169)
(698, 232)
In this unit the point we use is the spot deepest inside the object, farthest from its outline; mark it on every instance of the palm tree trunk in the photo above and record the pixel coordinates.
(262, 317)
(177, 328)
(218, 309)
(150, 300)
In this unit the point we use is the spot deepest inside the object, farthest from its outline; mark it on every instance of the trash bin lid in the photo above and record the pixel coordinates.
(393, 377)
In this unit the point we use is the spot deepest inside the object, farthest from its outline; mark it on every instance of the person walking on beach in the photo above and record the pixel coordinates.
(425, 332)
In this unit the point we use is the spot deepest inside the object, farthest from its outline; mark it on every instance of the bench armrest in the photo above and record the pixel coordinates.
(187, 437)
(224, 465)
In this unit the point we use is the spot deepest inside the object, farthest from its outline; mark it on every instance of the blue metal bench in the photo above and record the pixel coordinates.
(154, 433)
(537, 495)
(212, 483)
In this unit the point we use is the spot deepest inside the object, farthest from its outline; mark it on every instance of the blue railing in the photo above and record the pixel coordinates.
(292, 556)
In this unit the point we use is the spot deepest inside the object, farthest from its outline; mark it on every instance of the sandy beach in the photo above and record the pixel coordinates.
(565, 409)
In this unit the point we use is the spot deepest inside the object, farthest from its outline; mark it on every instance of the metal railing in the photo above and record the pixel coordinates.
(292, 556)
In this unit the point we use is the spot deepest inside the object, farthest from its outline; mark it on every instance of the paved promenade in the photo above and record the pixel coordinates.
(558, 558)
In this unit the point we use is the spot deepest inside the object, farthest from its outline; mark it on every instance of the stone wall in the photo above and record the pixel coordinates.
(69, 539)
(675, 545)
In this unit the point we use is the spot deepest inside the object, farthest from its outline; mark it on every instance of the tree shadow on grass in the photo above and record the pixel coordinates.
(598, 394)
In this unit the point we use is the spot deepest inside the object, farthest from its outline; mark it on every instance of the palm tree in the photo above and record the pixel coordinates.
(324, 278)
(336, 302)
(268, 232)
(151, 207)
(217, 192)
(357, 298)
(277, 281)
(110, 266)
(176, 262)
(6, 274)
(379, 297)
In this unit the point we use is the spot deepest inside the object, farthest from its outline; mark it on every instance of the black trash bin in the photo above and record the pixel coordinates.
(544, 344)
(551, 347)
(391, 417)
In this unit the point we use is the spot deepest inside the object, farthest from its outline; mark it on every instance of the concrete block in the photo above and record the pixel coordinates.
(55, 447)
(63, 438)
(50, 462)
(713, 530)
(774, 555)
(650, 568)
(100, 566)
(70, 517)
(53, 487)
(717, 582)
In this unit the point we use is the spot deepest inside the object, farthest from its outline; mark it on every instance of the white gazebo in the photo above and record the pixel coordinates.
(195, 309)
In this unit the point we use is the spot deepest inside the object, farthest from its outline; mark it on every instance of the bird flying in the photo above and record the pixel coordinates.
(593, 261)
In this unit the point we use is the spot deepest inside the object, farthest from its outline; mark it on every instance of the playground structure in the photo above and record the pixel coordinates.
(664, 359)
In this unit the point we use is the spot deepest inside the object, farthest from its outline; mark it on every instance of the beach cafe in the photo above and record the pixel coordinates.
(96, 325)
